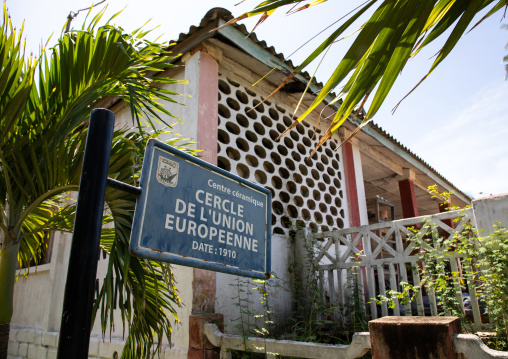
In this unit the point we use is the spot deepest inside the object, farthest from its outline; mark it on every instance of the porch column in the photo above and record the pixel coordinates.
(355, 190)
(407, 194)
(202, 71)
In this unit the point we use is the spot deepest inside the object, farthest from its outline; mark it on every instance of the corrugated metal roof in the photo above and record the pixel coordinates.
(220, 13)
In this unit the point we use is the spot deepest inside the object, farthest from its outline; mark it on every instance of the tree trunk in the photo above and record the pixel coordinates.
(8, 262)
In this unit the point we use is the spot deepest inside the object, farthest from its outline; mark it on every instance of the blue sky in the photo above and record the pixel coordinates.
(456, 120)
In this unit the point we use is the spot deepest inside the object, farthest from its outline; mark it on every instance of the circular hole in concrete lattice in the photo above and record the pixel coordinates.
(232, 128)
(260, 177)
(330, 171)
(233, 82)
(242, 120)
(304, 191)
(292, 211)
(280, 127)
(315, 174)
(294, 135)
(298, 201)
(266, 102)
(223, 136)
(303, 169)
(284, 173)
(233, 104)
(258, 106)
(277, 182)
(277, 207)
(282, 150)
(267, 143)
(323, 208)
(333, 210)
(321, 186)
(275, 158)
(273, 114)
(306, 214)
(296, 156)
(318, 217)
(336, 182)
(291, 187)
(259, 151)
(297, 177)
(325, 229)
(301, 148)
(290, 165)
(313, 227)
(252, 161)
(341, 212)
(268, 167)
(224, 111)
(300, 129)
(273, 134)
(335, 164)
(233, 153)
(316, 195)
(311, 204)
(250, 92)
(340, 223)
(337, 157)
(326, 178)
(224, 87)
(266, 121)
(289, 142)
(251, 136)
(310, 182)
(242, 145)
(328, 198)
(251, 113)
(280, 109)
(287, 121)
(332, 190)
(320, 166)
(274, 219)
(284, 196)
(277, 230)
(324, 159)
(285, 222)
(242, 170)
(242, 97)
(259, 128)
(224, 163)
(338, 202)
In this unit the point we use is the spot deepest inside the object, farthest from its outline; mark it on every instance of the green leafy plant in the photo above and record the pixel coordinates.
(44, 107)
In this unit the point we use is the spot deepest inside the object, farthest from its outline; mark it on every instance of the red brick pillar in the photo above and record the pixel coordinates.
(407, 195)
(199, 345)
(413, 337)
(204, 88)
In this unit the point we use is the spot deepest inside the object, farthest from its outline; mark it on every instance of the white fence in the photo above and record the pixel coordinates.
(387, 259)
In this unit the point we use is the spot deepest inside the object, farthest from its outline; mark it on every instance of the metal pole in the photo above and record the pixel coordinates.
(79, 289)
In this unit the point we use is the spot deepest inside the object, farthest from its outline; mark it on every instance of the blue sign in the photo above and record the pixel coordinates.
(194, 214)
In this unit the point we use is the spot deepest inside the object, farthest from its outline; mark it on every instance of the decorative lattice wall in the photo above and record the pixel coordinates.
(305, 190)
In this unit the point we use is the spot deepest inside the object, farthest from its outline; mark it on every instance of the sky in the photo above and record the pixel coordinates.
(456, 121)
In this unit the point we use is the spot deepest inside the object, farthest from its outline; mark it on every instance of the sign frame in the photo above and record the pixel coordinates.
(149, 182)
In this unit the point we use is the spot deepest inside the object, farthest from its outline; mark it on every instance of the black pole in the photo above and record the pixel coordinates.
(79, 289)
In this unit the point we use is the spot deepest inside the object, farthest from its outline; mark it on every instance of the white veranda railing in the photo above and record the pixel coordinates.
(378, 257)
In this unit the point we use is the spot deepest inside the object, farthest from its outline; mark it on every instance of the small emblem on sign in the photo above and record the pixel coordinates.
(167, 172)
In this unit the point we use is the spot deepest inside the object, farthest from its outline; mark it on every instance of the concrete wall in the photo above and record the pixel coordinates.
(489, 210)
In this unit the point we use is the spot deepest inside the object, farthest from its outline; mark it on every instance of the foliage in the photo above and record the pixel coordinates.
(44, 106)
(396, 31)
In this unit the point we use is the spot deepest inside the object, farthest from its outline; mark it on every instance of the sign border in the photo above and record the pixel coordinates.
(138, 220)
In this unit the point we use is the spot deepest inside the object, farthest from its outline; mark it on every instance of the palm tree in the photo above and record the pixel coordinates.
(44, 106)
(396, 31)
